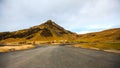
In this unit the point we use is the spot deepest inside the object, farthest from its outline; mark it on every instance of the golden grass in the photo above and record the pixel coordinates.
(110, 35)
(99, 46)
(14, 48)
(108, 47)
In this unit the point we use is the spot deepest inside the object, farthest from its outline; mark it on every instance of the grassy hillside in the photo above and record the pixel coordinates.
(111, 35)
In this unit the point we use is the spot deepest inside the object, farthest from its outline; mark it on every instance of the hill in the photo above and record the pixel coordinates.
(48, 31)
(110, 35)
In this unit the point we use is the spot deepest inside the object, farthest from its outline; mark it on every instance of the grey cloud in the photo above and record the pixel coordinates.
(75, 15)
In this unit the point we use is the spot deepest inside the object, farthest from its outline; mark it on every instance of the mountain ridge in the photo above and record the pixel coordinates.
(50, 31)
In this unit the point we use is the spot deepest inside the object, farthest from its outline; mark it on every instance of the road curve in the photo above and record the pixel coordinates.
(59, 57)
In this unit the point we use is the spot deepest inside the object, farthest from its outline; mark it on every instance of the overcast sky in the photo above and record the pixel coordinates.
(79, 16)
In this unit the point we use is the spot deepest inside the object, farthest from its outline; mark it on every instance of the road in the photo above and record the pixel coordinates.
(59, 57)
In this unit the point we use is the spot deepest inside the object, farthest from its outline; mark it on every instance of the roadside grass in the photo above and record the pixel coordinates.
(15, 48)
(99, 46)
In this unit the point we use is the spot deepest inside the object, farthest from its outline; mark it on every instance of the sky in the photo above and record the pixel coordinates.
(80, 16)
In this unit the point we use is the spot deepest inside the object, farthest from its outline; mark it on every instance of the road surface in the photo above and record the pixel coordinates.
(59, 57)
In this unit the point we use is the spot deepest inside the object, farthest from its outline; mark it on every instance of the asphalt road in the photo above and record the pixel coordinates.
(59, 57)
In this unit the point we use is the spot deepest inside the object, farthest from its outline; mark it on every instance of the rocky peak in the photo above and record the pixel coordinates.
(49, 22)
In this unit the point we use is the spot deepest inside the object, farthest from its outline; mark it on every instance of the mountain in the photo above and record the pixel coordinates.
(52, 32)
(48, 31)
(110, 35)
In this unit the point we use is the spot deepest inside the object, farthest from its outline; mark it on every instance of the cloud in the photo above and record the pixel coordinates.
(74, 15)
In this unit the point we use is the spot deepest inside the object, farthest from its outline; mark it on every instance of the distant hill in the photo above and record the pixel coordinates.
(110, 35)
(48, 31)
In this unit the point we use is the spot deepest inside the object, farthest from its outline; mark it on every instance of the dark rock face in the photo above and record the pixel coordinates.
(4, 35)
(46, 33)
(18, 34)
